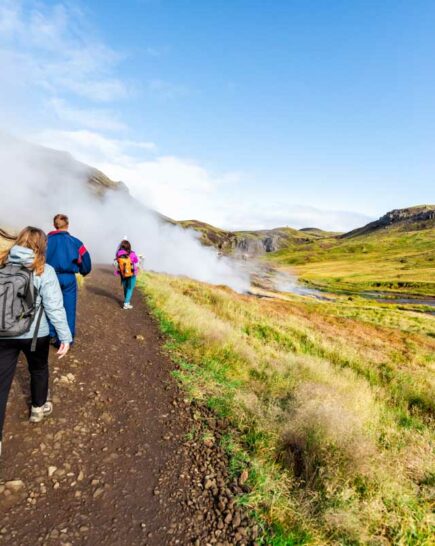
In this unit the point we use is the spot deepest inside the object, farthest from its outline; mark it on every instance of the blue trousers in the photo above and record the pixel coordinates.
(128, 286)
(68, 285)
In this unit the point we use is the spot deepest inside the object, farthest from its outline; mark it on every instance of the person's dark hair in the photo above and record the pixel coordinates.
(61, 221)
(125, 245)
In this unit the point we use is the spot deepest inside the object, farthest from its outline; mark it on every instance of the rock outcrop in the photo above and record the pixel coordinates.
(411, 218)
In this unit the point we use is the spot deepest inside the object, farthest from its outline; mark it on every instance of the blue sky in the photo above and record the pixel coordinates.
(244, 113)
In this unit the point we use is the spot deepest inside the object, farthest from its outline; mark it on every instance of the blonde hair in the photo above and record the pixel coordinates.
(36, 240)
(61, 221)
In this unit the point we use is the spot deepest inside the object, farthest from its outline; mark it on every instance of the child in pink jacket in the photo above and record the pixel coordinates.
(128, 282)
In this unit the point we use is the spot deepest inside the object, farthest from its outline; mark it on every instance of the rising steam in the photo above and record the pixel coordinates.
(38, 182)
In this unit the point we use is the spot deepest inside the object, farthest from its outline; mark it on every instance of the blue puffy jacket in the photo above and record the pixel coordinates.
(67, 254)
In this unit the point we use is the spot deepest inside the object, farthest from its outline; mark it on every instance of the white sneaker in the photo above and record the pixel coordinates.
(38, 414)
(127, 306)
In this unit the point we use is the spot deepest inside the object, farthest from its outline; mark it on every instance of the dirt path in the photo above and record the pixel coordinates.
(121, 461)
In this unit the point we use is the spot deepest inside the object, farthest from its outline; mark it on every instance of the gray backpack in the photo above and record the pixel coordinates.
(18, 302)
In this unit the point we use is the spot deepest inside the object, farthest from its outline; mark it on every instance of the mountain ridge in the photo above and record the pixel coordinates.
(250, 242)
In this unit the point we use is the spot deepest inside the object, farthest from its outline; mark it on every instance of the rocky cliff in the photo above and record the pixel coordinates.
(411, 218)
(249, 242)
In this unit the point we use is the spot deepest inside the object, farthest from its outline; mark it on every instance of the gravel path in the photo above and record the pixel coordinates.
(123, 460)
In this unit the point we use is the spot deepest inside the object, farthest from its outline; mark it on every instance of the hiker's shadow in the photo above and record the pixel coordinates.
(104, 293)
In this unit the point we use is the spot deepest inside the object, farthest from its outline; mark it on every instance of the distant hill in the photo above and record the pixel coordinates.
(256, 242)
(251, 242)
(60, 169)
(409, 219)
(394, 253)
(320, 232)
(98, 183)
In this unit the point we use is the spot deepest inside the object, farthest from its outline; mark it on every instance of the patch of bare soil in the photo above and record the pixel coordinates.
(123, 459)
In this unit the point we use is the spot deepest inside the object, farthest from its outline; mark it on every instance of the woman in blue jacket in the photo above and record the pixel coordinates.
(29, 251)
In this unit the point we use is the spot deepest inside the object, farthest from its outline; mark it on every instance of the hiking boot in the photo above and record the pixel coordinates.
(38, 414)
(127, 306)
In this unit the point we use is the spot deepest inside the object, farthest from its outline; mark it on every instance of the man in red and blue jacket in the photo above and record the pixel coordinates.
(68, 256)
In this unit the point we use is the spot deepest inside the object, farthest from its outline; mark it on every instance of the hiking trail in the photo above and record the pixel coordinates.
(122, 460)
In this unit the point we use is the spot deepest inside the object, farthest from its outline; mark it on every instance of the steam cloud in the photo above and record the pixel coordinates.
(38, 182)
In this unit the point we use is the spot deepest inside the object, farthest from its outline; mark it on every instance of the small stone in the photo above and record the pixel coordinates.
(14, 485)
(243, 477)
(98, 492)
(80, 476)
(51, 470)
(236, 520)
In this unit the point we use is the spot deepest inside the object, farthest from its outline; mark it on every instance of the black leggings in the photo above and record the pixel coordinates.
(38, 367)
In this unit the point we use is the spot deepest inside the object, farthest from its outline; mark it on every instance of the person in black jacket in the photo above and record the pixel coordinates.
(68, 256)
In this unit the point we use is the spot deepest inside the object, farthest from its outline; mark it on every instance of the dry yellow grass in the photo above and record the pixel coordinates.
(333, 413)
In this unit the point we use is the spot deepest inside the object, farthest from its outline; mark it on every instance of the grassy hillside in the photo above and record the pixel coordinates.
(329, 406)
(400, 257)
(255, 241)
(395, 253)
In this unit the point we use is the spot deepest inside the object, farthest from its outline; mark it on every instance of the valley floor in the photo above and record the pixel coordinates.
(124, 460)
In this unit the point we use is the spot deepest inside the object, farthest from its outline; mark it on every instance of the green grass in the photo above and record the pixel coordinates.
(329, 406)
(385, 260)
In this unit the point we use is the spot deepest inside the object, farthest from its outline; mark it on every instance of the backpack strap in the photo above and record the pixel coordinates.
(38, 323)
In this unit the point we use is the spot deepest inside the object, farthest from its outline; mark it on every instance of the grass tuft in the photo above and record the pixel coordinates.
(329, 405)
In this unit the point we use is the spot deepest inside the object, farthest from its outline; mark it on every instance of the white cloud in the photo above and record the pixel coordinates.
(183, 189)
(174, 186)
(93, 148)
(57, 73)
(51, 58)
(91, 118)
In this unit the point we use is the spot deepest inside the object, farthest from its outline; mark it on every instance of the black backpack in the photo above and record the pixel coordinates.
(18, 302)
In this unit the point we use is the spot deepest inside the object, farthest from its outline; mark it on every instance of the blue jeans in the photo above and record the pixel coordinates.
(128, 286)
